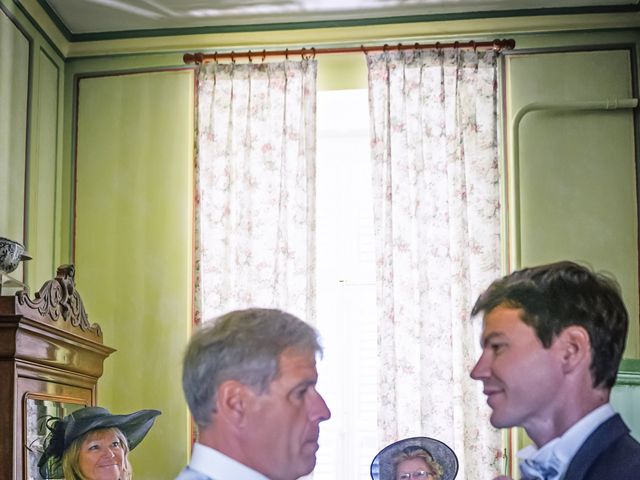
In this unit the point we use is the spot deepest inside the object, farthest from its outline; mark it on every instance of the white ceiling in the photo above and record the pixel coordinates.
(109, 16)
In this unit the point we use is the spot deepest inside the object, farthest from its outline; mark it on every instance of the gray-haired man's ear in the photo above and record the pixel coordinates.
(231, 401)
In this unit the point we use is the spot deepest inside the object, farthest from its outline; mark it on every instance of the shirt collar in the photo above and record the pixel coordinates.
(559, 451)
(215, 464)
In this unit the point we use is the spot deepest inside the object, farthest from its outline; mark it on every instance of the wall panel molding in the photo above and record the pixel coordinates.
(16, 74)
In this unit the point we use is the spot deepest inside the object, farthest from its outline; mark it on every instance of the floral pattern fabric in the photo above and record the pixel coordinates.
(255, 188)
(437, 227)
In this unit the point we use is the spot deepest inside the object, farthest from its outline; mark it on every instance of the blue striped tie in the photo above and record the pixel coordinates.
(533, 470)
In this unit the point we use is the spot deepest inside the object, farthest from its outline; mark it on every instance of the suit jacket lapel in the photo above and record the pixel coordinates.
(599, 441)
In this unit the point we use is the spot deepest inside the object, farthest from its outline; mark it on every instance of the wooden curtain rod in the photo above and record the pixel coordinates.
(198, 58)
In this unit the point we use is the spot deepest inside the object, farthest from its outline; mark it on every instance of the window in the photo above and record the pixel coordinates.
(346, 291)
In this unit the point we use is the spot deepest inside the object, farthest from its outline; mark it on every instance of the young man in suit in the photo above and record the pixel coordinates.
(250, 381)
(553, 337)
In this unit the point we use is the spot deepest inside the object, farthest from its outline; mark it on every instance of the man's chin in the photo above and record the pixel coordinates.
(305, 469)
(308, 461)
(501, 421)
(304, 464)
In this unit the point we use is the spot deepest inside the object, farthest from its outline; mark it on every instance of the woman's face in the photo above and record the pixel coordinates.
(414, 469)
(102, 456)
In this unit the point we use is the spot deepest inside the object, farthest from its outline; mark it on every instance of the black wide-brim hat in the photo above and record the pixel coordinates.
(64, 431)
(382, 467)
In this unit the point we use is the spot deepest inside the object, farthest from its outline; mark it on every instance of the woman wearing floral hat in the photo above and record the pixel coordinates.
(416, 458)
(93, 444)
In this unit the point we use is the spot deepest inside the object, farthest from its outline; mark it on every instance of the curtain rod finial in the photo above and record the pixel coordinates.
(504, 44)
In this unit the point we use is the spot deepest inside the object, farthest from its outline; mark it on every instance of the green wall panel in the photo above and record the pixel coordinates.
(43, 172)
(14, 92)
(573, 190)
(133, 246)
(342, 72)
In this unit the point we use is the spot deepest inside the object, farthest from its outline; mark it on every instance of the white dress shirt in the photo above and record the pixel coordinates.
(558, 453)
(218, 466)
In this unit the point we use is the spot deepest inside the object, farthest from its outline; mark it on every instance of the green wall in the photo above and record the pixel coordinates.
(31, 108)
(572, 184)
(570, 176)
(104, 146)
(133, 246)
(44, 173)
(15, 48)
(342, 72)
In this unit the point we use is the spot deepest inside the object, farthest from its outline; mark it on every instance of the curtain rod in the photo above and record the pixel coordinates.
(498, 45)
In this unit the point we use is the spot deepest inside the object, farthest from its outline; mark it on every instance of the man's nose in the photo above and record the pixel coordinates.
(320, 411)
(481, 368)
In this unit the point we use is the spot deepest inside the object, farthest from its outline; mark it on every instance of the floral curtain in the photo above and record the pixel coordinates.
(437, 227)
(255, 187)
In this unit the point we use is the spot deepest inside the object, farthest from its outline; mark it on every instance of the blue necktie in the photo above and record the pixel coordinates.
(534, 470)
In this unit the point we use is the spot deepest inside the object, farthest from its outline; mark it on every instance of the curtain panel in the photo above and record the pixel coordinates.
(255, 188)
(437, 227)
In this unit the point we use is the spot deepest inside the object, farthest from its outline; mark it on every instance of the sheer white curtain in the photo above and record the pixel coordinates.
(255, 188)
(437, 227)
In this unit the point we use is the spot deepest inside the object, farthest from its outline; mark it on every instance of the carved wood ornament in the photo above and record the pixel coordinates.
(58, 298)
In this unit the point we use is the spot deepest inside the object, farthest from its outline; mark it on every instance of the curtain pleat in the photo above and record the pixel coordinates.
(437, 228)
(255, 188)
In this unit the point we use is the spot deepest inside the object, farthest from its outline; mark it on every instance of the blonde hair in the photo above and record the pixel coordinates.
(71, 456)
(410, 453)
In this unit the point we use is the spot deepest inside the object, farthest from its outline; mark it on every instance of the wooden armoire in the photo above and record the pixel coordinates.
(51, 358)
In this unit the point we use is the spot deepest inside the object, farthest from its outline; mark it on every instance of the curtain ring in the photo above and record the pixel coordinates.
(302, 53)
(286, 54)
(313, 49)
(233, 58)
(416, 50)
(215, 56)
(264, 55)
(438, 46)
(474, 46)
(456, 45)
(249, 56)
(364, 50)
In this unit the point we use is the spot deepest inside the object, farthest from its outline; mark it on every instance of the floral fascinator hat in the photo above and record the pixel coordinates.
(382, 467)
(62, 433)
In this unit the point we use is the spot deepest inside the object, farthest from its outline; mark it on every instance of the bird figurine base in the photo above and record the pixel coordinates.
(10, 285)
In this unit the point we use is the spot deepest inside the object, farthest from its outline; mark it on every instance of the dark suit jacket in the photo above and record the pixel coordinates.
(609, 453)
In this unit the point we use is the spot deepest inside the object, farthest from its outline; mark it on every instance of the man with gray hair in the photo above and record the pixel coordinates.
(249, 378)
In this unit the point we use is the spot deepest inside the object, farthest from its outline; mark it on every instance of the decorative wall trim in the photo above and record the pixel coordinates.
(74, 134)
(338, 31)
(629, 372)
(39, 28)
(25, 212)
(333, 23)
(45, 56)
(511, 258)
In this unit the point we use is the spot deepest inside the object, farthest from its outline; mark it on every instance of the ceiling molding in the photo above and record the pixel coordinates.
(43, 23)
(479, 29)
(335, 23)
(479, 25)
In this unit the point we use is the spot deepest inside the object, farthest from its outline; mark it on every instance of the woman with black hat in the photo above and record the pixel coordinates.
(93, 444)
